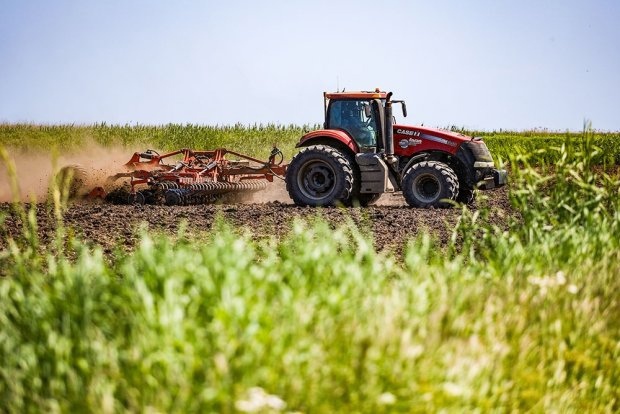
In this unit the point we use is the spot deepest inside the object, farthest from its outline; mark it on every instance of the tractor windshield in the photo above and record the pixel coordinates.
(355, 117)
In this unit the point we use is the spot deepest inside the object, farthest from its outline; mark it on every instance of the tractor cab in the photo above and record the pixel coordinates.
(358, 119)
(362, 115)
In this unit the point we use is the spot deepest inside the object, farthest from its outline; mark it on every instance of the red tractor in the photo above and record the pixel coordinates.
(361, 153)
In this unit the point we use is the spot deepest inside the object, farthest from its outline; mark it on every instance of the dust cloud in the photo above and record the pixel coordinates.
(34, 169)
(275, 191)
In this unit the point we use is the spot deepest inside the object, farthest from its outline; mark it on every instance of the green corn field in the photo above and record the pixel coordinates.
(257, 140)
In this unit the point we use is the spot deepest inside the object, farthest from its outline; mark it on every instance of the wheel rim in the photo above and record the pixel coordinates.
(316, 179)
(426, 187)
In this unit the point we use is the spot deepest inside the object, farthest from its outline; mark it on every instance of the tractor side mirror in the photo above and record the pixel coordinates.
(403, 105)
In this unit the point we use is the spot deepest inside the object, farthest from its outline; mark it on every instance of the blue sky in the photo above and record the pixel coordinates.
(479, 64)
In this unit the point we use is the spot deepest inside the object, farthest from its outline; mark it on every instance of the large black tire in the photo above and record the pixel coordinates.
(72, 181)
(319, 175)
(429, 184)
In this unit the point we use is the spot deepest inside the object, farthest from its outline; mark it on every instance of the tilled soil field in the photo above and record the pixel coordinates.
(391, 222)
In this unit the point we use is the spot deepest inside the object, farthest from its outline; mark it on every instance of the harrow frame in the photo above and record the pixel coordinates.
(197, 177)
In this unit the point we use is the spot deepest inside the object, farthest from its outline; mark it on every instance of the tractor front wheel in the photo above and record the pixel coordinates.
(319, 175)
(430, 184)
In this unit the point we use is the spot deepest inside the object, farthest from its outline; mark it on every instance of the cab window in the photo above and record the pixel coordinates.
(356, 118)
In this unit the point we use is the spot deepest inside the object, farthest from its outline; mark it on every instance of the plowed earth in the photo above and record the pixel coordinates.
(391, 222)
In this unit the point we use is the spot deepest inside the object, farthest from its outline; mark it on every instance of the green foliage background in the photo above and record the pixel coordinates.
(257, 140)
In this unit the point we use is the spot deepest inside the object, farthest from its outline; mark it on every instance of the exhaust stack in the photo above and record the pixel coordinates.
(389, 131)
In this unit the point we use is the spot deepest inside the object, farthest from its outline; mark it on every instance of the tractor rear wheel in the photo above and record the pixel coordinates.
(429, 184)
(319, 175)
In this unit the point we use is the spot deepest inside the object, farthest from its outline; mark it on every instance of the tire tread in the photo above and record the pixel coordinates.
(342, 162)
(445, 172)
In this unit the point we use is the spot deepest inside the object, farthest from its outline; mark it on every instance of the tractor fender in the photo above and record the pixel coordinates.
(415, 159)
(332, 137)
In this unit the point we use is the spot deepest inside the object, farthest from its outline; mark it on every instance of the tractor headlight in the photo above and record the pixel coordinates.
(481, 153)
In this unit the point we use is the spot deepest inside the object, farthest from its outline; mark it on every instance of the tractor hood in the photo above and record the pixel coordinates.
(409, 139)
(455, 137)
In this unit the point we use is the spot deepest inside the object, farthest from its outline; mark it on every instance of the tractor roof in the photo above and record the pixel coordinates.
(376, 94)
